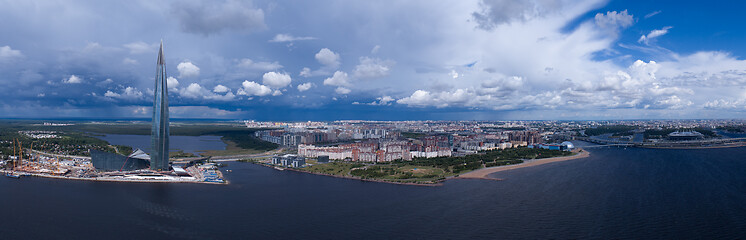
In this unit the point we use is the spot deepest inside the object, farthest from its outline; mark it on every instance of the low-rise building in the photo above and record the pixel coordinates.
(289, 160)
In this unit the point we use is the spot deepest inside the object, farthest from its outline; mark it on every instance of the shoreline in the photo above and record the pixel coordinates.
(433, 184)
(104, 179)
(476, 174)
(483, 173)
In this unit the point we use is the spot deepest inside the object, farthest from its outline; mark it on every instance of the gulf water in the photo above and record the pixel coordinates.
(616, 193)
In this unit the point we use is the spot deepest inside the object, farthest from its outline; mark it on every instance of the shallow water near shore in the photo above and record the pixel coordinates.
(615, 193)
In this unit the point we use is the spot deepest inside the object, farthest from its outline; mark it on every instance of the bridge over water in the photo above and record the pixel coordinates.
(695, 143)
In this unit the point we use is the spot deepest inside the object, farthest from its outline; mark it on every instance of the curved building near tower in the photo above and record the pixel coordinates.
(106, 161)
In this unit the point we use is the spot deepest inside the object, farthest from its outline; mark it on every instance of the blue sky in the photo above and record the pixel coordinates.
(381, 60)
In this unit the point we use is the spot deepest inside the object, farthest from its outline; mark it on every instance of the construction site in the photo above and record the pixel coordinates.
(30, 162)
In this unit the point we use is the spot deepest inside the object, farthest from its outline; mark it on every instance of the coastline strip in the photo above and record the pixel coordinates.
(435, 183)
(97, 179)
(483, 173)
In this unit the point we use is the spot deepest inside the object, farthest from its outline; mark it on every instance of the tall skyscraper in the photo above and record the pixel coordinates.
(159, 132)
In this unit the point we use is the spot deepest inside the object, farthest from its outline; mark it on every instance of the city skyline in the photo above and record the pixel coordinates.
(419, 60)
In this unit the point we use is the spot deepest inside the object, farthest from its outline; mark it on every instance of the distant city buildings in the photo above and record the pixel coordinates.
(40, 134)
(375, 141)
(328, 134)
(289, 160)
(57, 124)
(359, 152)
(384, 141)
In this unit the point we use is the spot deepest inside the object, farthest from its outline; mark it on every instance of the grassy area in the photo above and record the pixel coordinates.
(231, 148)
(180, 154)
(608, 129)
(400, 173)
(733, 129)
(333, 168)
(124, 150)
(245, 139)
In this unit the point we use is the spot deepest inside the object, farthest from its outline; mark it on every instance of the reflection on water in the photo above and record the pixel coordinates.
(188, 144)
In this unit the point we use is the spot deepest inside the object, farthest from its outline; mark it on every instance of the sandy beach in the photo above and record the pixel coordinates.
(485, 172)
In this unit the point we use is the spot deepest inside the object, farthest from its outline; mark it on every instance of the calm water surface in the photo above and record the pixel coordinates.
(188, 144)
(614, 194)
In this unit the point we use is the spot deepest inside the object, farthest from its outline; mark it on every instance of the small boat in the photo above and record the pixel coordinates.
(12, 175)
(279, 168)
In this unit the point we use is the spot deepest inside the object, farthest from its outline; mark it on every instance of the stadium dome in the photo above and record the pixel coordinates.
(568, 144)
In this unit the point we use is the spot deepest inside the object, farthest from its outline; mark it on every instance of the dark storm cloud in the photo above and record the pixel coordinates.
(214, 16)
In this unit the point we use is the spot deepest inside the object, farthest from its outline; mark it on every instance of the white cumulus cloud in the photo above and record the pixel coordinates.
(141, 47)
(306, 72)
(289, 38)
(453, 74)
(263, 66)
(196, 91)
(375, 49)
(385, 100)
(72, 80)
(372, 68)
(172, 82)
(304, 87)
(342, 90)
(328, 58)
(251, 88)
(418, 98)
(276, 80)
(338, 79)
(187, 69)
(614, 20)
(220, 89)
(653, 34)
(129, 93)
(6, 52)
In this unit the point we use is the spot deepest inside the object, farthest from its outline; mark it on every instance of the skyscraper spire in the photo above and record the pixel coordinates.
(159, 131)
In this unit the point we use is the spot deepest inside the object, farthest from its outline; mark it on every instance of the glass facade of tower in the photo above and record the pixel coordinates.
(159, 132)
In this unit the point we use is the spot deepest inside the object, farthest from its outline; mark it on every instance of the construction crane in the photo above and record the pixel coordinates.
(20, 153)
(15, 161)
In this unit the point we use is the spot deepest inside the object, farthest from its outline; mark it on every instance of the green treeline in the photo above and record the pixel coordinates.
(487, 158)
(245, 139)
(733, 129)
(608, 129)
